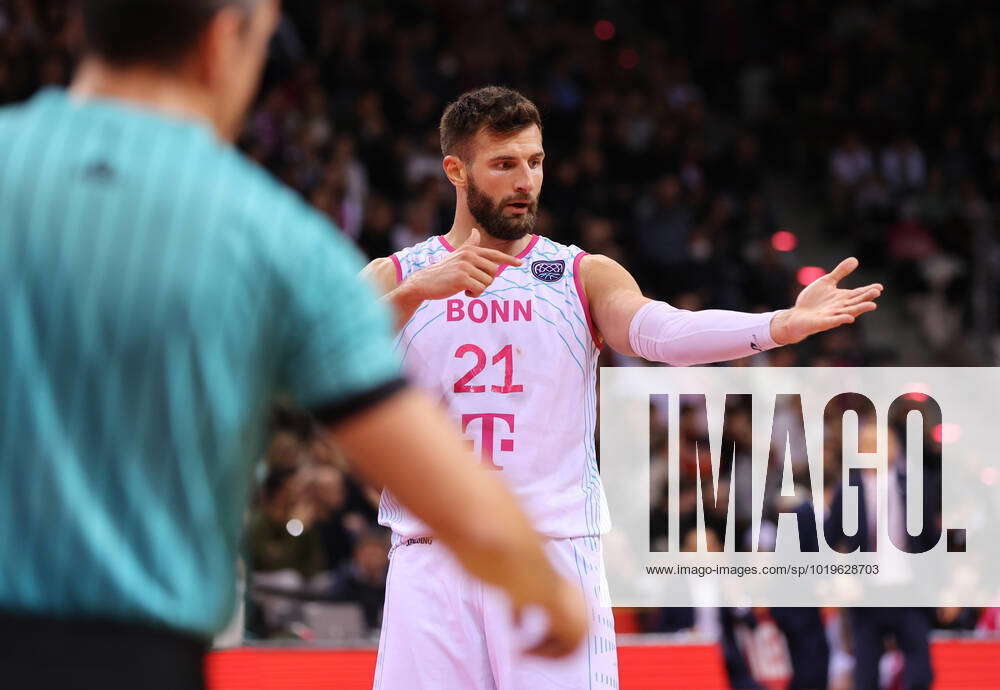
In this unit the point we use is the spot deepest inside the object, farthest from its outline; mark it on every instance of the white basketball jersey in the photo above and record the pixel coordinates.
(517, 370)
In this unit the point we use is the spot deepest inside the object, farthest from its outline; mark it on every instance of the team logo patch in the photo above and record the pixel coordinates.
(548, 271)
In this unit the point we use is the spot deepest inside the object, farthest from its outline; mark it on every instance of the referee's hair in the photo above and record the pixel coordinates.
(157, 32)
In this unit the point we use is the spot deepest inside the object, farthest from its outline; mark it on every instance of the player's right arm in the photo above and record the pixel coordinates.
(469, 269)
(381, 274)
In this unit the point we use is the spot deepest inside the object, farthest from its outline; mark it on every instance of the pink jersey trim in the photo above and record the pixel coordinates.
(524, 252)
(581, 293)
(399, 269)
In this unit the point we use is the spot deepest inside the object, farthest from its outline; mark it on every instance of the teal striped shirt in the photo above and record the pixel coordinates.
(157, 291)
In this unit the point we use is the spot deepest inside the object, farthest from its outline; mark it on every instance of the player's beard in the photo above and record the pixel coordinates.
(490, 216)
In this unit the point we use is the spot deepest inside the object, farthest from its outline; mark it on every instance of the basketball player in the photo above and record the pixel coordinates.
(156, 292)
(504, 327)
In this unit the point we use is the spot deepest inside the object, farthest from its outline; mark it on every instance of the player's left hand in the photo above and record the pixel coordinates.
(822, 306)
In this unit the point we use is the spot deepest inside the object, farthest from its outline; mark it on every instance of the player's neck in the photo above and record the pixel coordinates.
(463, 225)
(144, 87)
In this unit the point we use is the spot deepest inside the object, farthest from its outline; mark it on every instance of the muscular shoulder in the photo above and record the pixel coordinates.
(382, 273)
(600, 274)
(598, 262)
(614, 298)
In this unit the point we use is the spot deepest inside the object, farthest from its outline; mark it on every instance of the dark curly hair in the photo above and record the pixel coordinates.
(499, 110)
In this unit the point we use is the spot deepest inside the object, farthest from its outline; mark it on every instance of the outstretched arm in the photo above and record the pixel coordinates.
(636, 325)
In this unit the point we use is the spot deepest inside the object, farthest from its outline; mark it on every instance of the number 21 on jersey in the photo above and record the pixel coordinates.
(488, 420)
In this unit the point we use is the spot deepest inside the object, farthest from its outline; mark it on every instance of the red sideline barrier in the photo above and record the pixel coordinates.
(958, 665)
(642, 668)
(677, 666)
(288, 669)
(966, 664)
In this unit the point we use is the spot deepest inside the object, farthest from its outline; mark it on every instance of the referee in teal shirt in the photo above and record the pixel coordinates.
(157, 291)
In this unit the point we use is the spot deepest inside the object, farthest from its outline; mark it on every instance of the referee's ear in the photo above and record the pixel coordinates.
(219, 45)
(231, 54)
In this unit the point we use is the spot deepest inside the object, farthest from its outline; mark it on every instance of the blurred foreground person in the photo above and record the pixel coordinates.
(156, 292)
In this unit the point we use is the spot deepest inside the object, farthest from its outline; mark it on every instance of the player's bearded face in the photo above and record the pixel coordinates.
(498, 219)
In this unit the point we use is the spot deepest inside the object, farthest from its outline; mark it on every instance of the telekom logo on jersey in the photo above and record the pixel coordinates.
(488, 431)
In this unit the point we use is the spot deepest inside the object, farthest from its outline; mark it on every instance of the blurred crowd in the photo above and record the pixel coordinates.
(312, 539)
(678, 137)
(910, 126)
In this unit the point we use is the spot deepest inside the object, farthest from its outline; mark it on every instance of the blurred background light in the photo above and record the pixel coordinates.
(604, 30)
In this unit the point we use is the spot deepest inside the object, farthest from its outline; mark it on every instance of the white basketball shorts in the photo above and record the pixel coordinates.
(444, 630)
